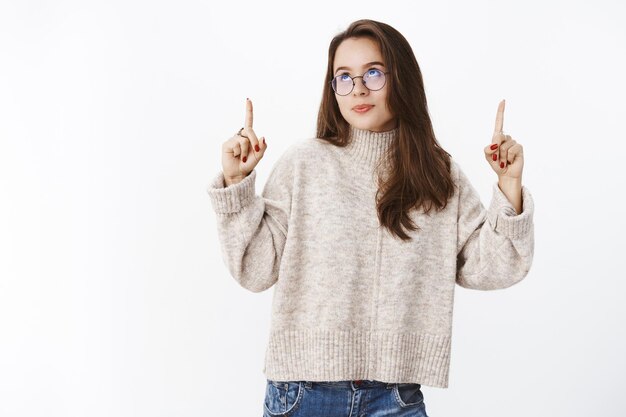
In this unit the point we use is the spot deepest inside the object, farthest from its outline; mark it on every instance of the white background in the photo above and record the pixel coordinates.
(114, 299)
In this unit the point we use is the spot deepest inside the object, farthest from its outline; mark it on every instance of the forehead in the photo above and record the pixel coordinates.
(356, 52)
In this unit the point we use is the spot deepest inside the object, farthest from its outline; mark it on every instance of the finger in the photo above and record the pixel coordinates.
(500, 117)
(502, 154)
(254, 141)
(244, 144)
(236, 150)
(258, 155)
(504, 145)
(491, 150)
(263, 147)
(514, 152)
(248, 123)
(230, 145)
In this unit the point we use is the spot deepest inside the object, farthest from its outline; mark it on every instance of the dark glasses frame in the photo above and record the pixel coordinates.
(359, 76)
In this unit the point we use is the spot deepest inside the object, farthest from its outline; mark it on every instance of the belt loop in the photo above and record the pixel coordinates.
(308, 384)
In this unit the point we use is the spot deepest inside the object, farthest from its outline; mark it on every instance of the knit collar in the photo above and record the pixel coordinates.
(367, 146)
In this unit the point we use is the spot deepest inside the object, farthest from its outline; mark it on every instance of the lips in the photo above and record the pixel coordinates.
(362, 107)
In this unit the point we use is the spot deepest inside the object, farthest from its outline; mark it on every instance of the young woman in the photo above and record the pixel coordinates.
(364, 231)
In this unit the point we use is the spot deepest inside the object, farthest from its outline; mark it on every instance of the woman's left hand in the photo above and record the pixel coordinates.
(509, 154)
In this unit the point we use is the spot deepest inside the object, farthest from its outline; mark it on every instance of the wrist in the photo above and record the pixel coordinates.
(512, 189)
(233, 180)
(509, 182)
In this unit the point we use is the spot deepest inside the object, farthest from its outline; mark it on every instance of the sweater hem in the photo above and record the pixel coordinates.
(336, 355)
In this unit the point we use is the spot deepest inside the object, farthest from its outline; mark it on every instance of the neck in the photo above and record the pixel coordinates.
(367, 147)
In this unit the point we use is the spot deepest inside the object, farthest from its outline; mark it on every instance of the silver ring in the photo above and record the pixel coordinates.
(239, 133)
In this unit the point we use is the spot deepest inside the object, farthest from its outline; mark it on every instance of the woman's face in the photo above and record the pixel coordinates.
(356, 56)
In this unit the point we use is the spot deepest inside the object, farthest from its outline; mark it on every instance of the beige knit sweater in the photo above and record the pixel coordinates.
(351, 301)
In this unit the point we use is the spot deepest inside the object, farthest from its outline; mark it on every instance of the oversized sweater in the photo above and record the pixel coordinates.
(352, 301)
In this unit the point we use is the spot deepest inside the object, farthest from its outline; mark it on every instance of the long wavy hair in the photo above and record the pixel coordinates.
(418, 173)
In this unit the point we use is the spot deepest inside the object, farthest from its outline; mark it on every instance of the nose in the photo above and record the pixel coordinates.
(359, 87)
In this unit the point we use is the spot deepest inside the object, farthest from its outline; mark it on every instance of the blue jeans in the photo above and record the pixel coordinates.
(343, 399)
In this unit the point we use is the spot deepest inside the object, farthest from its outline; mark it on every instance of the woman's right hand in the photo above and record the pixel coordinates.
(240, 154)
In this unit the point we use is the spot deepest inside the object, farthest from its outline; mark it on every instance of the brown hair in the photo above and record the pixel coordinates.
(419, 168)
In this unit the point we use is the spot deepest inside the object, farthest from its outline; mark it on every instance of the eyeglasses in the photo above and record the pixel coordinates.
(373, 79)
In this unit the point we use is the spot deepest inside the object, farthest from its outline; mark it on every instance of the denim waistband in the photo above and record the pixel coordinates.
(352, 384)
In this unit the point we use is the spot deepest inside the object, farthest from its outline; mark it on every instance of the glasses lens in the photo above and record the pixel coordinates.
(374, 79)
(342, 84)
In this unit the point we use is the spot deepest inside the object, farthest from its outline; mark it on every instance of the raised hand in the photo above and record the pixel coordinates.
(242, 152)
(505, 155)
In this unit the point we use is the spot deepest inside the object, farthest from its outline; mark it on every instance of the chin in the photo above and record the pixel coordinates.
(370, 121)
(374, 128)
(364, 125)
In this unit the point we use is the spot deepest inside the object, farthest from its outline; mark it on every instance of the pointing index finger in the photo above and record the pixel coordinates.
(500, 117)
(248, 114)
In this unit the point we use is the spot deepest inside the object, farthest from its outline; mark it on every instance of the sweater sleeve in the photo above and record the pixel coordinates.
(494, 247)
(252, 229)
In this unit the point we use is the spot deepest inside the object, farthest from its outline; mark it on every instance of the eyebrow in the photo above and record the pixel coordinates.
(366, 65)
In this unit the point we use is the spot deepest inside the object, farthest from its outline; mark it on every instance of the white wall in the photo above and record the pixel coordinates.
(114, 300)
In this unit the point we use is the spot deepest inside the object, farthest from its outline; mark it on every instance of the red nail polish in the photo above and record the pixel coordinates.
(256, 148)
(494, 146)
(501, 164)
(495, 156)
(245, 159)
(264, 140)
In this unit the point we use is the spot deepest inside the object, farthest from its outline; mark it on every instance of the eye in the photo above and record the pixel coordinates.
(373, 72)
(344, 77)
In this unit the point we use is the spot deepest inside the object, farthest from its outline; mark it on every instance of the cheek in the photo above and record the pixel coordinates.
(388, 110)
(343, 106)
(386, 105)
